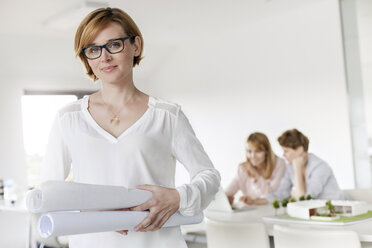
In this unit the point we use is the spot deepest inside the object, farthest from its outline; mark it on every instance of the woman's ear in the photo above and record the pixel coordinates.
(137, 46)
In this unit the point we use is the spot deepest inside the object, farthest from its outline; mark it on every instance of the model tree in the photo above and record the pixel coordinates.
(292, 199)
(308, 197)
(302, 198)
(284, 204)
(331, 208)
(276, 206)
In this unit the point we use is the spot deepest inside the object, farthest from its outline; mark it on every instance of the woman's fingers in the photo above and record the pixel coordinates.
(158, 221)
(144, 206)
(123, 232)
(146, 222)
(164, 203)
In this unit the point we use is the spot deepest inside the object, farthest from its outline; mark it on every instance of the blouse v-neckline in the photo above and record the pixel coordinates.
(103, 132)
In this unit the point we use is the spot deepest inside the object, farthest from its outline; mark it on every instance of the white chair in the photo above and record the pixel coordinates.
(238, 235)
(289, 237)
(360, 194)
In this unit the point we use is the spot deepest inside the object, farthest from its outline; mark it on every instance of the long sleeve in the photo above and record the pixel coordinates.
(284, 190)
(320, 180)
(233, 186)
(205, 179)
(316, 183)
(57, 160)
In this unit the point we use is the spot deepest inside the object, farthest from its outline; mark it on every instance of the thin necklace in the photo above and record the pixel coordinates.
(115, 119)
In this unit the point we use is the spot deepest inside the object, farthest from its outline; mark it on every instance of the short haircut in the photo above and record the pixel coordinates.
(293, 139)
(97, 20)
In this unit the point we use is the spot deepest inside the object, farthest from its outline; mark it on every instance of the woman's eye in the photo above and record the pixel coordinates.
(115, 44)
(93, 49)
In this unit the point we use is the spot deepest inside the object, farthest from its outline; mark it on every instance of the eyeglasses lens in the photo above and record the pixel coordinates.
(94, 52)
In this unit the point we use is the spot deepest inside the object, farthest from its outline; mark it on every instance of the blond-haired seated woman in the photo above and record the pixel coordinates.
(259, 175)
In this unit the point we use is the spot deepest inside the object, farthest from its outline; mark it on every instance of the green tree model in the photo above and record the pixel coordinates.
(308, 197)
(284, 204)
(292, 199)
(302, 198)
(331, 208)
(276, 206)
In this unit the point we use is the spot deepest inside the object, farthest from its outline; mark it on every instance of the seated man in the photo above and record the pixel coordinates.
(306, 173)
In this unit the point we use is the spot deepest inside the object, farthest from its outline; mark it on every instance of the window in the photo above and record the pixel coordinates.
(38, 112)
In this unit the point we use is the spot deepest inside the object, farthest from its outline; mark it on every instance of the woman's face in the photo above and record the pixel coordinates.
(255, 155)
(290, 154)
(114, 68)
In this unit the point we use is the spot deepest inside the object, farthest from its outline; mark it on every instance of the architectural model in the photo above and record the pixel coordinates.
(313, 209)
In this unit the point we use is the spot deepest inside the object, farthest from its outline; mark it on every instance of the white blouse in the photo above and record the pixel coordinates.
(145, 153)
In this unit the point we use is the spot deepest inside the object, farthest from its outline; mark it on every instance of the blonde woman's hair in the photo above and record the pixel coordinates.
(261, 142)
(97, 20)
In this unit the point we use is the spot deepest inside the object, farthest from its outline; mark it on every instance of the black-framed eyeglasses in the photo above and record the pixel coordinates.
(113, 46)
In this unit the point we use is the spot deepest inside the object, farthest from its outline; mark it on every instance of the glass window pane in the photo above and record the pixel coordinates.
(38, 113)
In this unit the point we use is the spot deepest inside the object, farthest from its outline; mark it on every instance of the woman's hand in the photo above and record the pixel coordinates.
(231, 199)
(163, 204)
(300, 161)
(246, 200)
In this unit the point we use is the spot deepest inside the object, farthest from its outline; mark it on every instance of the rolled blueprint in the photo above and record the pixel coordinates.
(66, 196)
(69, 223)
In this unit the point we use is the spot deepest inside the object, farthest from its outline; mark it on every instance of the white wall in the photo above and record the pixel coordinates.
(266, 74)
(364, 13)
(243, 70)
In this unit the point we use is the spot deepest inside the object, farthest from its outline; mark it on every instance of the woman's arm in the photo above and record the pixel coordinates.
(205, 179)
(247, 200)
(188, 199)
(233, 186)
(57, 160)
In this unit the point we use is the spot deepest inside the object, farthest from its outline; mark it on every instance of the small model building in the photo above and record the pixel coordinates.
(315, 208)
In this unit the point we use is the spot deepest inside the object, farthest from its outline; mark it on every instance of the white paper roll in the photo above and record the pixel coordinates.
(69, 223)
(65, 196)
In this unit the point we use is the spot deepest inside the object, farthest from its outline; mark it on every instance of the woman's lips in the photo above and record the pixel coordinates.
(108, 68)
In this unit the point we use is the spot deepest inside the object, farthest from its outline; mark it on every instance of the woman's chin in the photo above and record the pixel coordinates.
(256, 165)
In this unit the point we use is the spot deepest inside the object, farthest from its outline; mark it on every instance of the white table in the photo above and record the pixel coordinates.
(21, 209)
(364, 229)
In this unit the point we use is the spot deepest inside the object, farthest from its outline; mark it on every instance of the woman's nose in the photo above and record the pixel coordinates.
(106, 56)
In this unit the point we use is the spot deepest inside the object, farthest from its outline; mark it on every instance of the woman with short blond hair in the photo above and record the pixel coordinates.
(122, 136)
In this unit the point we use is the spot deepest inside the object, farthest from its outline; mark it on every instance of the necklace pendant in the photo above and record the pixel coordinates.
(115, 119)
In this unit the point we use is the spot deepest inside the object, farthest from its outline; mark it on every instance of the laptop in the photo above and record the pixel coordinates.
(221, 204)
